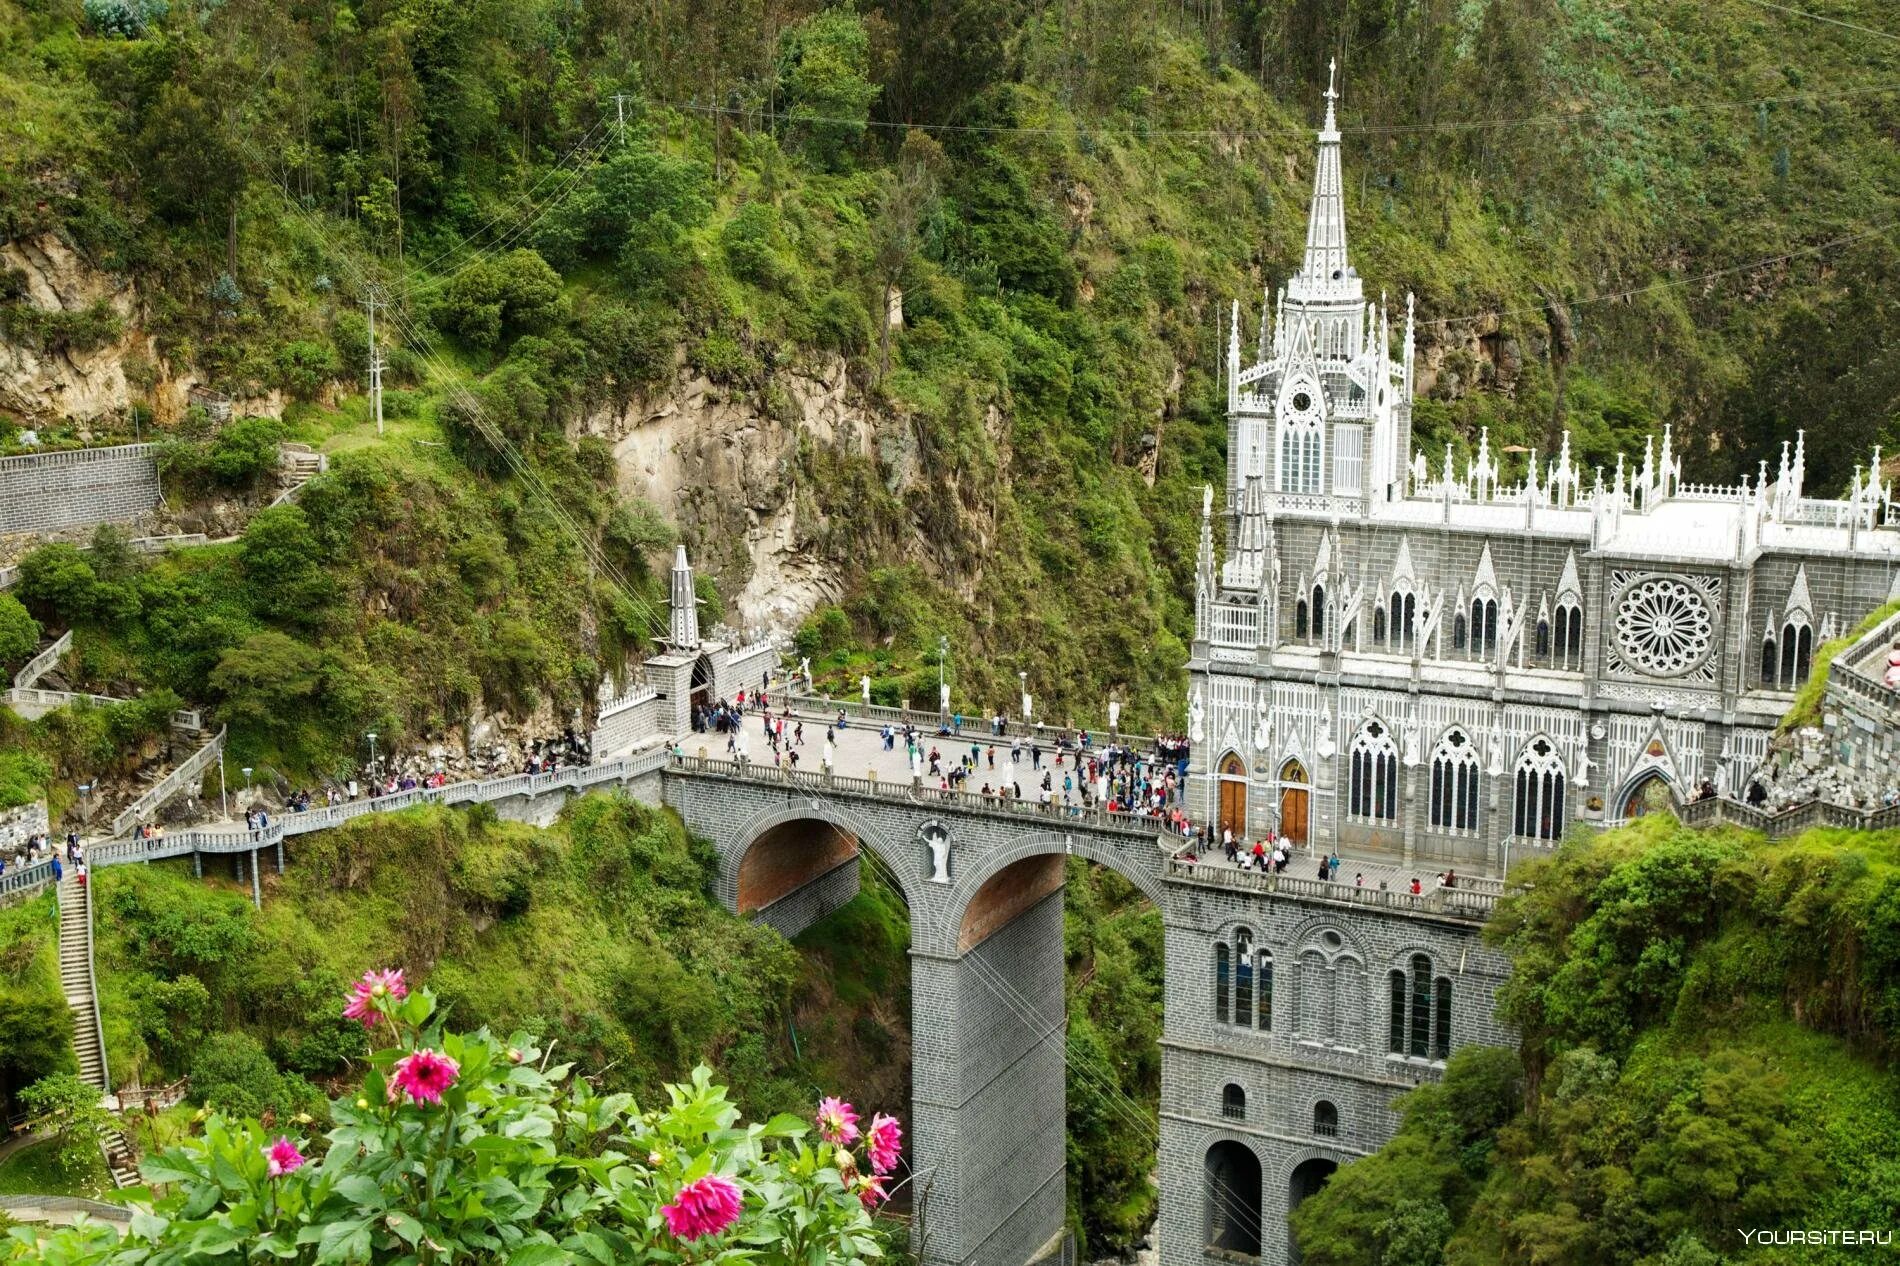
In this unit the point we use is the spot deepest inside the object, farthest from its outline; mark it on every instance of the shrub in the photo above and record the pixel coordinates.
(19, 632)
(244, 452)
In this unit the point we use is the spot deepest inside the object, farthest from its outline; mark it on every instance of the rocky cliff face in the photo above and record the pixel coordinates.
(725, 469)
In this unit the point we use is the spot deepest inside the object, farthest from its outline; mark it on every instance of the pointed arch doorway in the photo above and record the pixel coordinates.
(1233, 795)
(1295, 802)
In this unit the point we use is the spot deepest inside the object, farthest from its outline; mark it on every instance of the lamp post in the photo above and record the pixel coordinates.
(85, 801)
(943, 691)
(247, 784)
(1023, 677)
(372, 753)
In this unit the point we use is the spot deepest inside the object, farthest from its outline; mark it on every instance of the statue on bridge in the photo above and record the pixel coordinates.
(864, 685)
(937, 840)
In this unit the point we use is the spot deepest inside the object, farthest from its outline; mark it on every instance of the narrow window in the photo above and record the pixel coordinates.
(1421, 1005)
(1233, 1103)
(1441, 1020)
(1263, 977)
(1243, 980)
(1220, 982)
(1397, 983)
(1325, 1120)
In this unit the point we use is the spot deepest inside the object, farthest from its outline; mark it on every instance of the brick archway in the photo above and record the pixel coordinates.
(801, 842)
(1030, 868)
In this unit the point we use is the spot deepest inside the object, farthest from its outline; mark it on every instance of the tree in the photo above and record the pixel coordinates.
(19, 632)
(283, 561)
(67, 1108)
(908, 198)
(825, 70)
(268, 683)
(57, 580)
(36, 1034)
(511, 295)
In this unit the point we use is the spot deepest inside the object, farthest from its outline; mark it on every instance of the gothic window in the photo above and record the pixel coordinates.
(1454, 805)
(1539, 803)
(1543, 639)
(1233, 1103)
(1263, 985)
(1421, 1033)
(1374, 774)
(1325, 1120)
(1300, 443)
(1484, 626)
(1378, 625)
(1299, 618)
(1243, 978)
(1664, 627)
(1348, 459)
(1441, 1020)
(1420, 1011)
(1220, 981)
(1567, 648)
(1458, 631)
(1770, 661)
(1797, 649)
(1404, 618)
(1319, 610)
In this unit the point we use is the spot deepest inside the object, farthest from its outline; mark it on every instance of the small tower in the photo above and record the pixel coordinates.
(683, 630)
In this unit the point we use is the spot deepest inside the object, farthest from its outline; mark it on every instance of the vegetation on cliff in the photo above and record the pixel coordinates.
(1708, 1026)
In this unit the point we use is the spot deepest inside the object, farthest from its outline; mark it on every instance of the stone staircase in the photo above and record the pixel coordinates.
(297, 465)
(76, 980)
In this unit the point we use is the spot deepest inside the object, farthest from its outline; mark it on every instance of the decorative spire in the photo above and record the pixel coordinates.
(683, 632)
(1204, 570)
(1325, 274)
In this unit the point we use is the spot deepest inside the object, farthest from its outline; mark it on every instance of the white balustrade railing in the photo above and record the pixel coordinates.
(170, 785)
(43, 663)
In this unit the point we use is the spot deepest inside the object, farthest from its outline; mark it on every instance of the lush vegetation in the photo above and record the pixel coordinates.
(464, 1147)
(35, 1027)
(1708, 1026)
(1064, 216)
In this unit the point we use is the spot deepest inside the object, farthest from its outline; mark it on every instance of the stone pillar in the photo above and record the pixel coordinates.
(988, 1108)
(1408, 817)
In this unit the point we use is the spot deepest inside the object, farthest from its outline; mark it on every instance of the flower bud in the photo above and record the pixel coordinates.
(362, 1104)
(514, 1055)
(655, 1159)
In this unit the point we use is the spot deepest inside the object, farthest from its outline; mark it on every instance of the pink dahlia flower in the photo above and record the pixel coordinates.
(886, 1140)
(705, 1206)
(373, 987)
(837, 1121)
(284, 1157)
(871, 1191)
(424, 1075)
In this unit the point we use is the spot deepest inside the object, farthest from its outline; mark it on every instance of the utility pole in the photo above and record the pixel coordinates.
(375, 365)
(620, 115)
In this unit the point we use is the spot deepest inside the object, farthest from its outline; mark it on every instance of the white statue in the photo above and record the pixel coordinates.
(916, 763)
(1028, 706)
(1263, 727)
(864, 687)
(830, 754)
(1114, 713)
(937, 840)
(804, 670)
(1196, 715)
(943, 695)
(1411, 745)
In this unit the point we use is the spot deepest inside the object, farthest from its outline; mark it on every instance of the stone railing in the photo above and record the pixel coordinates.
(819, 782)
(975, 727)
(1461, 902)
(48, 700)
(19, 881)
(43, 663)
(1861, 668)
(52, 1208)
(191, 770)
(1790, 820)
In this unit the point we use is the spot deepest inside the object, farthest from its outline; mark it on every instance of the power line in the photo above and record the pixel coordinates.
(1672, 283)
(1559, 119)
(1820, 17)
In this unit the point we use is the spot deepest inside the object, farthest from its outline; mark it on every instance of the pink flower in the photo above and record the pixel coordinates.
(284, 1157)
(705, 1206)
(424, 1075)
(837, 1121)
(372, 988)
(871, 1191)
(886, 1138)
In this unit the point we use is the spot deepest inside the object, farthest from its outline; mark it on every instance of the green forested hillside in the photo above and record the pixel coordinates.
(1066, 198)
(1708, 1022)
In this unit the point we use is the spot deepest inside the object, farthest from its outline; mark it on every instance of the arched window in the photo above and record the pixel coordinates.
(1263, 986)
(1454, 804)
(1325, 1120)
(1484, 626)
(1569, 642)
(1797, 648)
(1543, 639)
(1770, 662)
(1319, 610)
(1299, 618)
(1441, 1019)
(1243, 978)
(1395, 982)
(1374, 775)
(1458, 631)
(1233, 1103)
(1421, 1043)
(1538, 811)
(1378, 625)
(1404, 616)
(1299, 454)
(1220, 981)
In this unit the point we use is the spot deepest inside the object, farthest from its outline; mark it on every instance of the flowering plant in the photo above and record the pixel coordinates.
(463, 1148)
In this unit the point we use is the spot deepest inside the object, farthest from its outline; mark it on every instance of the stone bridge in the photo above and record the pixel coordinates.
(1295, 1011)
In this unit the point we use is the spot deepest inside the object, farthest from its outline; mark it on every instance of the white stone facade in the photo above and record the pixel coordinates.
(1444, 666)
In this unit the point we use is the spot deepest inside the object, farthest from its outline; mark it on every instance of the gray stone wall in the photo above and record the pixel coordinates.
(45, 492)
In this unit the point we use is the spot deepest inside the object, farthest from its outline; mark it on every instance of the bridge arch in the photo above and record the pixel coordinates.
(779, 851)
(976, 905)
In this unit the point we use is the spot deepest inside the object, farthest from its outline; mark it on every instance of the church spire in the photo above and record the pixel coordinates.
(684, 630)
(1325, 269)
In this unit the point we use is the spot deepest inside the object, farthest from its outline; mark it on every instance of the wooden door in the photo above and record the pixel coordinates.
(1233, 796)
(1293, 802)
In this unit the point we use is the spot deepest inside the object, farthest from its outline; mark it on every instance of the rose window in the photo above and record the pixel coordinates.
(1664, 627)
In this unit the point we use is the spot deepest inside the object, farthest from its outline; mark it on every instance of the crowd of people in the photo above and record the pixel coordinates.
(39, 847)
(1272, 855)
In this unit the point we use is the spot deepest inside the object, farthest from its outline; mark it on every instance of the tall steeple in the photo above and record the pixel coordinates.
(683, 630)
(1326, 273)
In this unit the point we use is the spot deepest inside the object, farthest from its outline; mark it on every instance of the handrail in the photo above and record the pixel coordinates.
(1460, 902)
(165, 788)
(92, 991)
(43, 662)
